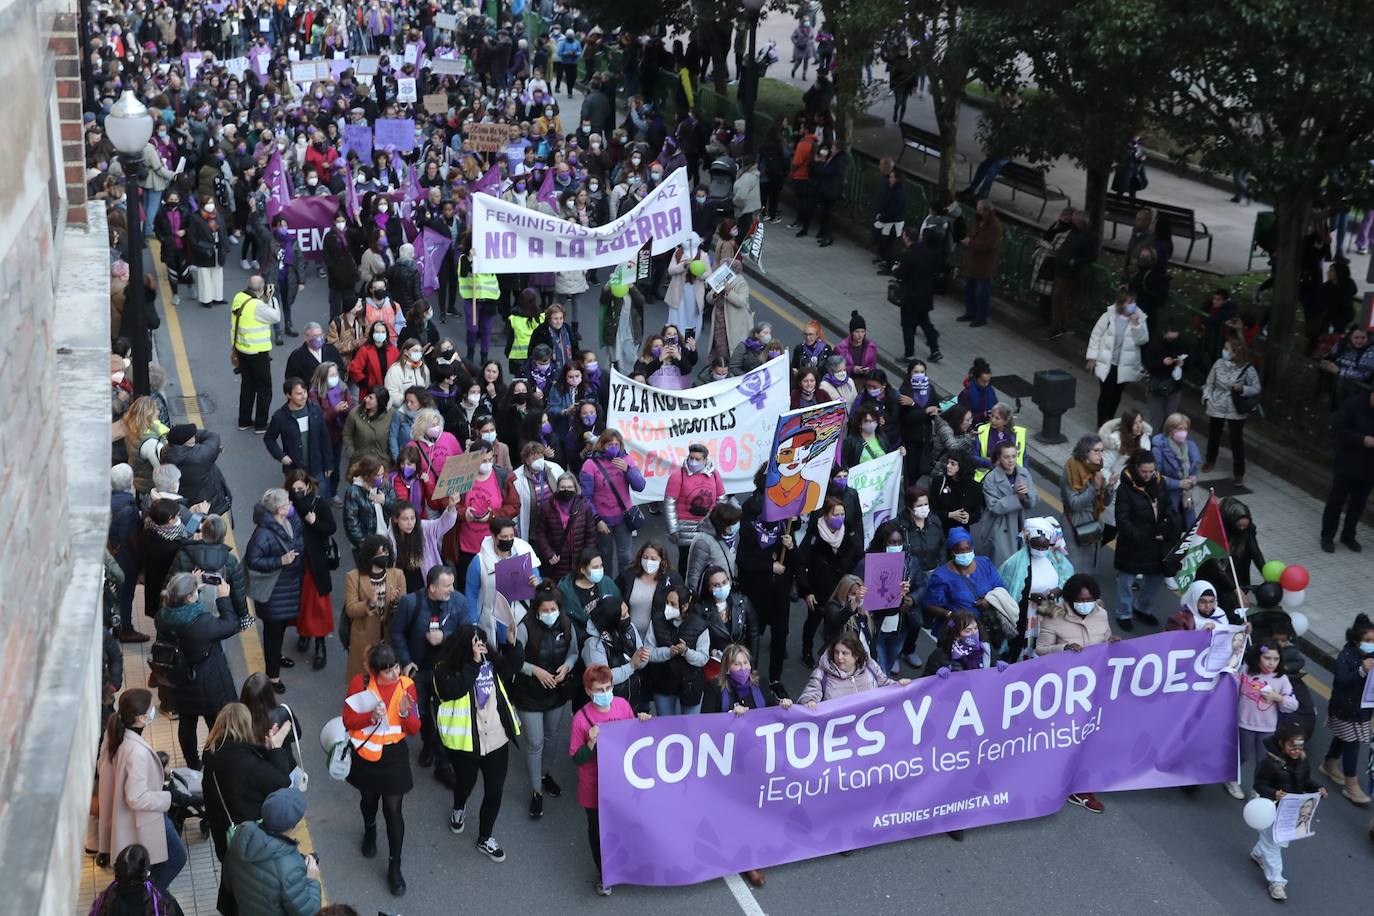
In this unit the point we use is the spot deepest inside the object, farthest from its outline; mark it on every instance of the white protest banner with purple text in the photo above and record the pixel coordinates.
(733, 418)
(508, 238)
(684, 799)
(878, 484)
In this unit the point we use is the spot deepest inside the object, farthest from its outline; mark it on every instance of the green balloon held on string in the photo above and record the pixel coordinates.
(1273, 570)
(618, 290)
(697, 267)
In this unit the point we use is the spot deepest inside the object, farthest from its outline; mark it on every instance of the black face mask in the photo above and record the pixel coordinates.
(382, 561)
(505, 545)
(519, 397)
(564, 496)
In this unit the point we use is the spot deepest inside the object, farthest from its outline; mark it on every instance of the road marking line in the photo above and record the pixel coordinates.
(777, 307)
(743, 896)
(251, 646)
(1317, 686)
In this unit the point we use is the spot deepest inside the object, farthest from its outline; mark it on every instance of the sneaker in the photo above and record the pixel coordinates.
(176, 299)
(601, 889)
(1235, 791)
(245, 426)
(914, 659)
(936, 356)
(1087, 800)
(536, 806)
(549, 787)
(278, 686)
(1278, 892)
(492, 849)
(1125, 624)
(457, 820)
(245, 264)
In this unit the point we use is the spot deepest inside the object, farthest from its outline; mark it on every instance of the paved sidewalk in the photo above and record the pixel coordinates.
(828, 283)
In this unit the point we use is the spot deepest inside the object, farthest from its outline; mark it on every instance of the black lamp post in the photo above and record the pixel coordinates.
(751, 82)
(129, 125)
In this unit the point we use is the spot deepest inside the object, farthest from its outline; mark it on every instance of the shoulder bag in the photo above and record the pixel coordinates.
(1245, 405)
(261, 585)
(632, 515)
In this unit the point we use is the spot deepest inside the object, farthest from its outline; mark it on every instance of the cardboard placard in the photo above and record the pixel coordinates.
(309, 71)
(405, 89)
(458, 474)
(436, 102)
(366, 65)
(488, 138)
(236, 66)
(441, 66)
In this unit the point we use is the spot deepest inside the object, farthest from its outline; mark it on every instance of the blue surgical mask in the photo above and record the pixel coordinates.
(964, 559)
(548, 618)
(732, 530)
(1367, 648)
(152, 710)
(603, 700)
(720, 592)
(894, 548)
(594, 576)
(1226, 355)
(1084, 607)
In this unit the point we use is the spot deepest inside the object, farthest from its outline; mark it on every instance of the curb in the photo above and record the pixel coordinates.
(1314, 647)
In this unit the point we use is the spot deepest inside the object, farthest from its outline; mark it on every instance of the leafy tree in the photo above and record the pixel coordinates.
(1284, 90)
(946, 57)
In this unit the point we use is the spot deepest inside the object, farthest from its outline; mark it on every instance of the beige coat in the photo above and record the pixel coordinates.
(1069, 626)
(132, 803)
(369, 624)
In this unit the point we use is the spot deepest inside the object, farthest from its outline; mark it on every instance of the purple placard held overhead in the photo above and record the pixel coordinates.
(670, 378)
(883, 579)
(394, 134)
(358, 138)
(513, 577)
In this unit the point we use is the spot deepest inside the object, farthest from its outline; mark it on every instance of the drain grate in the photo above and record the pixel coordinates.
(182, 407)
(1013, 386)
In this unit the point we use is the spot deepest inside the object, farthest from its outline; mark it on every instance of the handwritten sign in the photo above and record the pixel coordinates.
(236, 66)
(366, 65)
(446, 21)
(436, 102)
(309, 71)
(445, 67)
(487, 138)
(405, 89)
(394, 133)
(458, 474)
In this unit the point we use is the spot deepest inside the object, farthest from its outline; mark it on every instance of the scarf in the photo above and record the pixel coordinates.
(485, 684)
(969, 654)
(174, 220)
(832, 536)
(980, 400)
(751, 343)
(1080, 475)
(813, 351)
(173, 531)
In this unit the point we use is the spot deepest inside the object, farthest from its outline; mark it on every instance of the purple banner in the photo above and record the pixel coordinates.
(685, 799)
(309, 218)
(394, 134)
(358, 138)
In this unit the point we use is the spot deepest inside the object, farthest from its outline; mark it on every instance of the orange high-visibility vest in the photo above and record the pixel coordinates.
(370, 741)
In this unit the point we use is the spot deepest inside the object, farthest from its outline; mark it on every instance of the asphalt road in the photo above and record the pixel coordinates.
(1160, 851)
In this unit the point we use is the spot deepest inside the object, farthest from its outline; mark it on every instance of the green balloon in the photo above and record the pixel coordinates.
(619, 289)
(1273, 570)
(697, 268)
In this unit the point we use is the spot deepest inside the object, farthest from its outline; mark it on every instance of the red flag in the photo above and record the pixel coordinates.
(1206, 540)
(1210, 524)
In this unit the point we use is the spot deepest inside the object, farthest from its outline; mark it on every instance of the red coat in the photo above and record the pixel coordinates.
(367, 368)
(322, 161)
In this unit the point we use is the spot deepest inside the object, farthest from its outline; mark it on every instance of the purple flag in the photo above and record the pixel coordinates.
(430, 252)
(490, 183)
(546, 192)
(351, 197)
(394, 134)
(413, 191)
(278, 186)
(689, 798)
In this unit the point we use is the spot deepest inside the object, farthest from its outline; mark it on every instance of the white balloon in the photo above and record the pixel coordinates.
(1299, 621)
(1260, 813)
(1294, 599)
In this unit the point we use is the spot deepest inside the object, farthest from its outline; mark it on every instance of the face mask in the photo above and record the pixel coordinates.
(869, 428)
(1130, 308)
(650, 566)
(548, 618)
(591, 368)
(840, 483)
(117, 377)
(434, 432)
(612, 451)
(841, 376)
(657, 176)
(1226, 355)
(383, 207)
(701, 199)
(407, 473)
(836, 522)
(740, 676)
(1367, 648)
(470, 400)
(720, 592)
(971, 641)
(594, 576)
(671, 613)
(894, 548)
(655, 352)
(312, 182)
(921, 511)
(1039, 553)
(210, 207)
(340, 225)
(1084, 607)
(489, 436)
(505, 545)
(603, 700)
(693, 465)
(592, 185)
(333, 381)
(379, 338)
(732, 530)
(152, 714)
(634, 160)
(964, 559)
(416, 356)
(485, 467)
(564, 496)
(1180, 435)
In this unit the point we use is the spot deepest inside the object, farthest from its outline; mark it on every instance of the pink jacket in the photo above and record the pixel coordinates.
(582, 723)
(866, 359)
(829, 682)
(132, 802)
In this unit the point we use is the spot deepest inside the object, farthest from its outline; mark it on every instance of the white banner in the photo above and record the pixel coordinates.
(508, 238)
(879, 485)
(734, 418)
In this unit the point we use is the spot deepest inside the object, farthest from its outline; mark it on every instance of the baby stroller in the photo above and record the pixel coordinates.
(720, 188)
(191, 782)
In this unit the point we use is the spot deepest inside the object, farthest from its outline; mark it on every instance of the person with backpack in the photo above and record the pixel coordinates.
(188, 657)
(132, 892)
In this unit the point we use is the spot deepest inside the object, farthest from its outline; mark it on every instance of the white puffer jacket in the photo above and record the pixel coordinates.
(1100, 346)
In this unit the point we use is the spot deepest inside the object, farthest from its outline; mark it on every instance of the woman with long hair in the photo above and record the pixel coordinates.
(132, 892)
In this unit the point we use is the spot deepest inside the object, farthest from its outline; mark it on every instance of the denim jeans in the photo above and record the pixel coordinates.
(976, 295)
(1126, 601)
(666, 705)
(985, 175)
(152, 200)
(888, 648)
(164, 873)
(617, 546)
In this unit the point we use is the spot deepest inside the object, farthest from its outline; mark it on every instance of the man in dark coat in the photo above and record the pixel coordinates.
(311, 354)
(201, 683)
(195, 453)
(596, 108)
(1352, 470)
(296, 436)
(917, 269)
(1148, 528)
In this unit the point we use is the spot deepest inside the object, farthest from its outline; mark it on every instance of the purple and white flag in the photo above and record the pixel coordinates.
(490, 183)
(278, 185)
(430, 253)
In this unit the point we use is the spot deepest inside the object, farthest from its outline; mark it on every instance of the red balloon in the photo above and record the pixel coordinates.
(1294, 579)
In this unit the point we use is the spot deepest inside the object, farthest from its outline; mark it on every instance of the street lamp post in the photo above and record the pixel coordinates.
(753, 8)
(129, 126)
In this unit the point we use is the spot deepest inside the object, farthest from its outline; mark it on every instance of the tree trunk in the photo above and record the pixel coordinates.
(1291, 210)
(848, 80)
(948, 101)
(1095, 197)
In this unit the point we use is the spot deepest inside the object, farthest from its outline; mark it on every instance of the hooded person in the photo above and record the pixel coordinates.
(268, 871)
(1200, 609)
(613, 641)
(1035, 576)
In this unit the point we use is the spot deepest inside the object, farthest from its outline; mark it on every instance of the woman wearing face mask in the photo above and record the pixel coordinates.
(1114, 351)
(716, 543)
(962, 584)
(374, 359)
(958, 647)
(477, 508)
(408, 371)
(604, 707)
(893, 623)
(607, 477)
(568, 390)
(864, 442)
(829, 551)
(1347, 720)
(1120, 439)
(208, 241)
(837, 384)
(679, 644)
(436, 446)
(917, 404)
(328, 392)
(530, 486)
(171, 225)
(133, 805)
(1232, 377)
(583, 587)
(643, 584)
(612, 640)
(686, 295)
(1147, 530)
(371, 592)
(277, 548)
(484, 437)
(749, 353)
(583, 434)
(542, 689)
(954, 496)
(845, 668)
(1179, 462)
(316, 618)
(729, 615)
(1035, 575)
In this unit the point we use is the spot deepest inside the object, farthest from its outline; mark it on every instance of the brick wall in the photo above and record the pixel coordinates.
(64, 46)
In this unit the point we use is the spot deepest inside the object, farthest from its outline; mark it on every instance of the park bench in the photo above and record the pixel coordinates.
(1121, 211)
(927, 143)
(1031, 180)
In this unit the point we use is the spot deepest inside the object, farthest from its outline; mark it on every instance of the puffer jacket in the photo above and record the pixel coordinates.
(201, 478)
(204, 684)
(828, 682)
(403, 283)
(1278, 772)
(268, 874)
(212, 558)
(1216, 391)
(1145, 534)
(688, 497)
(359, 516)
(709, 550)
(551, 536)
(268, 544)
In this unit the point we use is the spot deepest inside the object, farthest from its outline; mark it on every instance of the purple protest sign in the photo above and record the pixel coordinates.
(513, 577)
(430, 253)
(685, 799)
(489, 183)
(309, 218)
(358, 138)
(670, 378)
(278, 185)
(394, 134)
(883, 580)
(546, 193)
